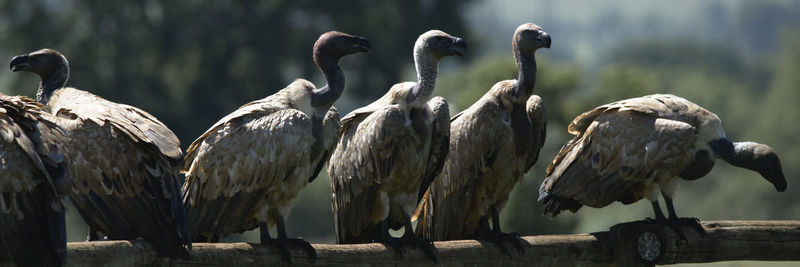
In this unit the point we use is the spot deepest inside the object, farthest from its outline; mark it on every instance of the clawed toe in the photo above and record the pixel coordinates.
(424, 244)
(305, 245)
(499, 239)
(393, 243)
(282, 247)
(515, 240)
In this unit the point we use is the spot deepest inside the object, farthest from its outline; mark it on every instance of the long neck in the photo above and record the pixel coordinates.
(739, 154)
(427, 70)
(50, 83)
(327, 95)
(526, 74)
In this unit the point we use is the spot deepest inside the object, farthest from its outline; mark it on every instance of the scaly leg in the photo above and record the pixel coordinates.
(410, 238)
(312, 253)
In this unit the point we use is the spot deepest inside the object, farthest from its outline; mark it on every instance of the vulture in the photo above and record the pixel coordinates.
(247, 169)
(390, 151)
(124, 163)
(637, 148)
(33, 180)
(493, 144)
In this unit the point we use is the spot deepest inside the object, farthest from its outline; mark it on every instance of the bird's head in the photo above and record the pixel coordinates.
(45, 62)
(530, 37)
(339, 44)
(754, 156)
(767, 163)
(439, 44)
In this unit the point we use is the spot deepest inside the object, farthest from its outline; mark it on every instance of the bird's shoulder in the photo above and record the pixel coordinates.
(137, 125)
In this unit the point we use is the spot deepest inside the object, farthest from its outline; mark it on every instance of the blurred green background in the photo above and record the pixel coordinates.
(191, 62)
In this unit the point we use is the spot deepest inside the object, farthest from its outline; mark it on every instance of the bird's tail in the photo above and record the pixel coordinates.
(553, 205)
(424, 217)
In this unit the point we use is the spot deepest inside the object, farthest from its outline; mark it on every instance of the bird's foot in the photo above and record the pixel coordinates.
(499, 239)
(392, 242)
(300, 242)
(692, 222)
(281, 246)
(676, 223)
(425, 244)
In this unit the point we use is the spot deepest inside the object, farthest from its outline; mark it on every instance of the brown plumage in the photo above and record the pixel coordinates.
(247, 169)
(33, 180)
(391, 150)
(493, 144)
(124, 162)
(637, 148)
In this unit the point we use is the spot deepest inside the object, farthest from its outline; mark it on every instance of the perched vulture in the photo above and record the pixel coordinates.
(33, 179)
(493, 144)
(125, 164)
(247, 169)
(637, 148)
(390, 151)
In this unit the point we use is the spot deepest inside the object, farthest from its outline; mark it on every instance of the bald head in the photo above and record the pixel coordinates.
(44, 62)
(339, 44)
(529, 37)
(438, 44)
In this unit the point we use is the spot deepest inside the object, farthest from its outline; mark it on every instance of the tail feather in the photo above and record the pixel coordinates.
(553, 205)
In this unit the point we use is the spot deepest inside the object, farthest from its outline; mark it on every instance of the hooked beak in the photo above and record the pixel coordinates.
(776, 178)
(459, 46)
(19, 62)
(362, 44)
(545, 39)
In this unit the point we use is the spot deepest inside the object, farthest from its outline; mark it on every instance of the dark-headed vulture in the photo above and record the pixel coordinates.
(390, 151)
(247, 169)
(637, 148)
(125, 164)
(493, 144)
(33, 180)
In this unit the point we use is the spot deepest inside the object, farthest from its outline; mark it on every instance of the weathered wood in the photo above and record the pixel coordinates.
(723, 241)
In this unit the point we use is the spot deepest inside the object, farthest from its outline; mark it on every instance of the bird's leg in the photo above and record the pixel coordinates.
(659, 214)
(693, 222)
(484, 233)
(281, 246)
(387, 240)
(410, 238)
(312, 253)
(92, 236)
(660, 219)
(511, 237)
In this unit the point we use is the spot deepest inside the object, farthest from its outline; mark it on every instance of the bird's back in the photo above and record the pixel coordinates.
(125, 165)
(33, 178)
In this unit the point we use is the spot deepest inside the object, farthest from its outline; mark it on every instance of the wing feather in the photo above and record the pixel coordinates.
(123, 159)
(361, 159)
(615, 158)
(476, 136)
(247, 157)
(33, 177)
(440, 142)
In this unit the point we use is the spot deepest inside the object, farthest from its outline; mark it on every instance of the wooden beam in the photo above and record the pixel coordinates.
(623, 244)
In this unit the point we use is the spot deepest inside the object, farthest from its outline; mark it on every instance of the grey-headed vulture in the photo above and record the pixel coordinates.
(390, 151)
(493, 144)
(33, 180)
(637, 148)
(247, 169)
(125, 164)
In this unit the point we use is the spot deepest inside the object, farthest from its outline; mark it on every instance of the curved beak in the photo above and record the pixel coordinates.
(776, 178)
(361, 44)
(459, 46)
(19, 62)
(544, 38)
